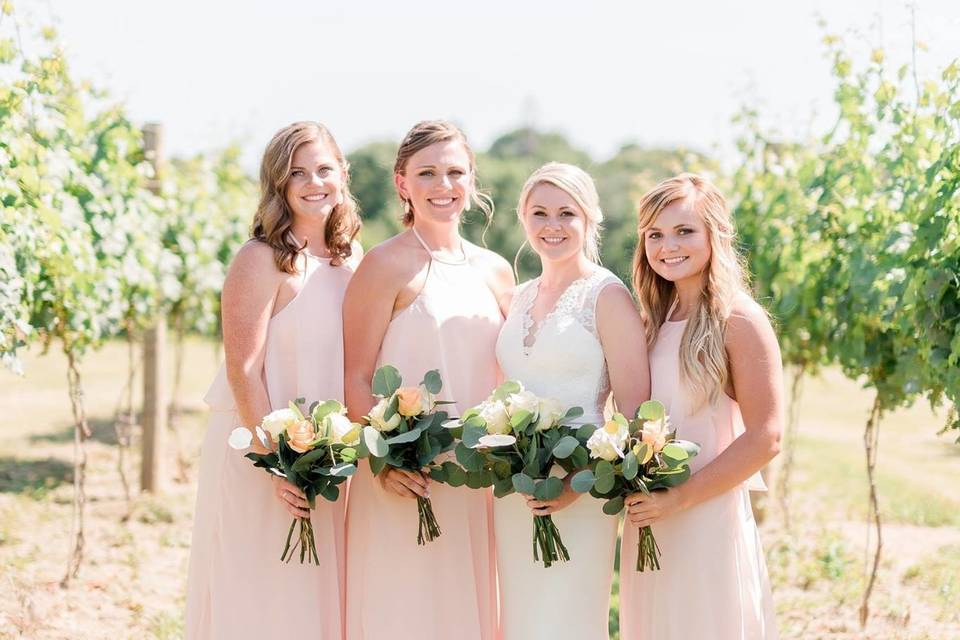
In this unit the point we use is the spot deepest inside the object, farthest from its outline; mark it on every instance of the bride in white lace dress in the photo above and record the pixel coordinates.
(572, 334)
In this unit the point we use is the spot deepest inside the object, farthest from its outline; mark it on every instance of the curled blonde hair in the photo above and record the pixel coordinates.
(578, 184)
(428, 133)
(273, 221)
(703, 357)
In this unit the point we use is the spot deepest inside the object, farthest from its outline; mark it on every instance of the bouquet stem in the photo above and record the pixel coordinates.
(429, 530)
(305, 541)
(648, 552)
(547, 541)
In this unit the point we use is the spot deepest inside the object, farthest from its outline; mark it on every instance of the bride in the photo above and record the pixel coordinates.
(572, 334)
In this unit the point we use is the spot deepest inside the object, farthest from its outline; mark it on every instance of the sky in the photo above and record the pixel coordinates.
(603, 73)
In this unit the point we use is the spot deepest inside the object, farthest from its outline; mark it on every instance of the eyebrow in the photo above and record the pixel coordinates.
(676, 226)
(433, 166)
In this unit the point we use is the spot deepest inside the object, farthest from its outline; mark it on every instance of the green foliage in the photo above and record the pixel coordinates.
(854, 239)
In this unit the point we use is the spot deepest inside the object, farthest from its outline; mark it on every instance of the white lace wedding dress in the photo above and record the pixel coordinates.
(562, 359)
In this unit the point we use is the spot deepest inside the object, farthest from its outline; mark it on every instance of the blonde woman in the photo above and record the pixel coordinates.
(424, 299)
(715, 364)
(282, 340)
(572, 334)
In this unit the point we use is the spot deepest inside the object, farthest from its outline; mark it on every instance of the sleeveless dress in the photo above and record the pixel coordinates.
(396, 588)
(237, 585)
(570, 600)
(713, 578)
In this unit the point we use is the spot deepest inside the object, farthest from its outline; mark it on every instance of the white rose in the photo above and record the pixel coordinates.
(338, 426)
(550, 411)
(376, 417)
(276, 422)
(523, 401)
(608, 442)
(494, 413)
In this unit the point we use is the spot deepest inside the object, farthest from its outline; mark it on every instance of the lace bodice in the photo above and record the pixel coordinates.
(561, 357)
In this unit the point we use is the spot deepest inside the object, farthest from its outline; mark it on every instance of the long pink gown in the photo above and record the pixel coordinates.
(238, 587)
(397, 589)
(713, 578)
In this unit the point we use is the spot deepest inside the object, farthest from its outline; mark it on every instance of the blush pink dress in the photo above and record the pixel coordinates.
(397, 589)
(238, 587)
(713, 578)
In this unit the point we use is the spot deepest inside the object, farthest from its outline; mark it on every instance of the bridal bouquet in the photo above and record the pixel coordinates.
(406, 432)
(642, 454)
(511, 442)
(316, 452)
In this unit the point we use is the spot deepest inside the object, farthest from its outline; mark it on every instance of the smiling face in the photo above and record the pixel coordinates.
(677, 244)
(437, 181)
(555, 224)
(315, 185)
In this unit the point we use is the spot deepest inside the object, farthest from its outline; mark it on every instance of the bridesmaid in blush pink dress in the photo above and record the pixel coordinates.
(282, 340)
(425, 299)
(715, 365)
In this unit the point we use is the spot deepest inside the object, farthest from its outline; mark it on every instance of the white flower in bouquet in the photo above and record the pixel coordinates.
(523, 401)
(376, 417)
(340, 430)
(240, 438)
(494, 413)
(550, 411)
(608, 443)
(276, 422)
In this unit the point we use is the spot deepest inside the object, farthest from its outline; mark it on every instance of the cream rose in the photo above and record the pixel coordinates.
(411, 401)
(608, 443)
(550, 411)
(523, 401)
(276, 422)
(301, 435)
(376, 417)
(494, 413)
(340, 430)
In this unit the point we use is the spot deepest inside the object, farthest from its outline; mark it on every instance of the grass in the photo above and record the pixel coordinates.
(132, 583)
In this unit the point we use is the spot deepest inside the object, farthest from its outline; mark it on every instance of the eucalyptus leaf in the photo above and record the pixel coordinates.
(386, 380)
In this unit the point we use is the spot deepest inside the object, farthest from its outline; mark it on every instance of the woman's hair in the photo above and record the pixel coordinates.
(703, 358)
(428, 133)
(578, 184)
(273, 221)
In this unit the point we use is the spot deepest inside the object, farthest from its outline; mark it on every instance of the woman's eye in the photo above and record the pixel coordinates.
(425, 174)
(684, 232)
(456, 172)
(296, 172)
(568, 214)
(324, 171)
(654, 235)
(540, 214)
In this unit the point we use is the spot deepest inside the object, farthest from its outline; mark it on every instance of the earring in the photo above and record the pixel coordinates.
(406, 206)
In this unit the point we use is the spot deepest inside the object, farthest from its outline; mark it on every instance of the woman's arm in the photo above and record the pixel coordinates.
(624, 344)
(757, 376)
(247, 302)
(368, 306)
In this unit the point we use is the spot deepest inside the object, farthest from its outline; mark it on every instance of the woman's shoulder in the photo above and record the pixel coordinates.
(748, 322)
(254, 258)
(495, 267)
(394, 259)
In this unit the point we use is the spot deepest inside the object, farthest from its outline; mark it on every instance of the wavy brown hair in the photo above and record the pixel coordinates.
(703, 356)
(273, 222)
(428, 133)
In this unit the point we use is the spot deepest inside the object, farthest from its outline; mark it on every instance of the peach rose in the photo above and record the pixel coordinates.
(301, 435)
(410, 401)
